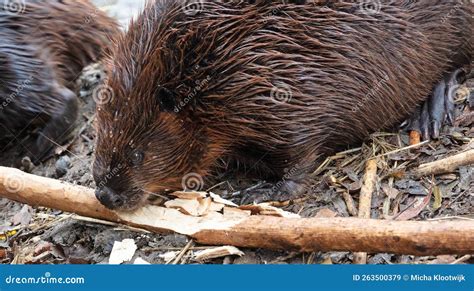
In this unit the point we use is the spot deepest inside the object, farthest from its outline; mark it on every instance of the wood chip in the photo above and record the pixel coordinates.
(140, 261)
(204, 205)
(267, 209)
(218, 199)
(186, 206)
(122, 252)
(198, 203)
(217, 252)
(216, 207)
(235, 213)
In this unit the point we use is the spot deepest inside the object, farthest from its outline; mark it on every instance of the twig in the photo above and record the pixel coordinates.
(446, 165)
(402, 149)
(365, 201)
(183, 252)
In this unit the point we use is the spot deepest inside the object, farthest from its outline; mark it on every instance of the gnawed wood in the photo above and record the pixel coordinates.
(238, 228)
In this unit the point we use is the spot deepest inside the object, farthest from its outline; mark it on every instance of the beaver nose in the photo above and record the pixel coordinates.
(108, 198)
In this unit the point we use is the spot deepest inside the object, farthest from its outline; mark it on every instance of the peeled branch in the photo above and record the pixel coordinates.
(239, 228)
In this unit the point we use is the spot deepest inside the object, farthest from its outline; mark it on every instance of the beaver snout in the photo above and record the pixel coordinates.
(109, 198)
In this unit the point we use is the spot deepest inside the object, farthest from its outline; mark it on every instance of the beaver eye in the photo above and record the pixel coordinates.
(137, 158)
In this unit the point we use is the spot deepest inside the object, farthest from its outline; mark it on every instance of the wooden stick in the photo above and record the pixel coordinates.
(351, 208)
(446, 165)
(365, 201)
(293, 234)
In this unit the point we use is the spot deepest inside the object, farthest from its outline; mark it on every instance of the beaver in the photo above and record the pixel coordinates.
(44, 46)
(270, 85)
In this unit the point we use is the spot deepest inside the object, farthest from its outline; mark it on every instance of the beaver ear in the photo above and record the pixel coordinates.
(166, 99)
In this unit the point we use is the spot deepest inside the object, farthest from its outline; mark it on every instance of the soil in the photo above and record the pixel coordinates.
(40, 235)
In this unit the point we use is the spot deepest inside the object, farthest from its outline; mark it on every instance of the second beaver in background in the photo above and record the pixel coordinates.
(44, 46)
(272, 86)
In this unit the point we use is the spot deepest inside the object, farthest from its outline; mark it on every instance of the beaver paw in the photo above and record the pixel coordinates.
(281, 191)
(438, 109)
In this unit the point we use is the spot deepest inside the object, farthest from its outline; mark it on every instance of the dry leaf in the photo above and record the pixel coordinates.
(24, 216)
(390, 191)
(415, 210)
(3, 254)
(122, 252)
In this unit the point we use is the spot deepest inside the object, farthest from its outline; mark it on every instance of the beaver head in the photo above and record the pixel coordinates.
(149, 139)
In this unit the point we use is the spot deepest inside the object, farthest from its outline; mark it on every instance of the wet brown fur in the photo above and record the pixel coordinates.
(44, 46)
(329, 55)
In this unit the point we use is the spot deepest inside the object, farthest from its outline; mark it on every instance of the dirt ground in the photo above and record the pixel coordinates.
(39, 235)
